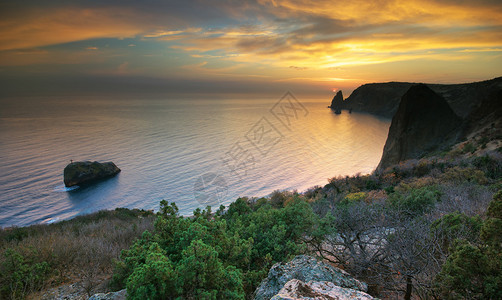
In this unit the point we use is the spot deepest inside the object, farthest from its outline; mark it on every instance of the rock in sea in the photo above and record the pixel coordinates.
(84, 172)
(337, 103)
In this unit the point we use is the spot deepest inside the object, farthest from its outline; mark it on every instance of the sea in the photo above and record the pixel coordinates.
(192, 152)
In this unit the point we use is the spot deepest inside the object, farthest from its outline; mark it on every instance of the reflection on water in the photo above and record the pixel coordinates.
(165, 147)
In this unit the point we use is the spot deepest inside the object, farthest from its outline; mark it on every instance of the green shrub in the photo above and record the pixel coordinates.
(469, 147)
(21, 274)
(202, 275)
(495, 206)
(474, 269)
(214, 256)
(455, 226)
(489, 165)
(416, 202)
(458, 174)
(155, 279)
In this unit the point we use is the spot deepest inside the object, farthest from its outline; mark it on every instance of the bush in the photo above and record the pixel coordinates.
(469, 147)
(155, 279)
(21, 274)
(416, 202)
(489, 165)
(214, 256)
(458, 174)
(354, 197)
(474, 269)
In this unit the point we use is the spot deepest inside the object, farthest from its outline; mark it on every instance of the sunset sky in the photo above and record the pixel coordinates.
(262, 47)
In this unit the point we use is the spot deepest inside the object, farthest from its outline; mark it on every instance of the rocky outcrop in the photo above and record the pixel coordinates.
(120, 295)
(383, 99)
(424, 122)
(305, 269)
(296, 289)
(337, 103)
(85, 172)
(380, 99)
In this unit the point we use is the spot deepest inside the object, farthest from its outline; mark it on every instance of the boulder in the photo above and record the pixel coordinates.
(120, 295)
(84, 172)
(305, 268)
(296, 289)
(423, 123)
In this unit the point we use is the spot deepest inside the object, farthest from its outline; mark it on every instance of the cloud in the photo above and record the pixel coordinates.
(252, 39)
(36, 28)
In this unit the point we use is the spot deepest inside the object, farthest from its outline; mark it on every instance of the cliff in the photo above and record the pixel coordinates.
(383, 99)
(380, 99)
(424, 122)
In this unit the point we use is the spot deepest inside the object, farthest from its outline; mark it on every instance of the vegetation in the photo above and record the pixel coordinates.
(423, 229)
(222, 255)
(82, 249)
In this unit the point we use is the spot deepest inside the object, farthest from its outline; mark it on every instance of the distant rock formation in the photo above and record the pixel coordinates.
(380, 99)
(383, 99)
(337, 103)
(424, 122)
(304, 276)
(84, 172)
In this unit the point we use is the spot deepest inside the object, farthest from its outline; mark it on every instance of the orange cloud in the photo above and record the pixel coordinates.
(62, 25)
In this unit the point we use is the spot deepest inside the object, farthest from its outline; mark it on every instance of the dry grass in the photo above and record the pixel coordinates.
(79, 250)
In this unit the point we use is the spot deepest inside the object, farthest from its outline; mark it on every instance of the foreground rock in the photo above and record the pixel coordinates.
(423, 123)
(296, 289)
(305, 269)
(120, 295)
(85, 172)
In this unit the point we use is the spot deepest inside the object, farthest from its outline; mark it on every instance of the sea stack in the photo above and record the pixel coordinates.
(424, 122)
(337, 103)
(85, 172)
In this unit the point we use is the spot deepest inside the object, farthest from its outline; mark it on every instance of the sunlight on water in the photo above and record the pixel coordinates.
(192, 152)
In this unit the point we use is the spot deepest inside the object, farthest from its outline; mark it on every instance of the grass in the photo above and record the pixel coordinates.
(82, 249)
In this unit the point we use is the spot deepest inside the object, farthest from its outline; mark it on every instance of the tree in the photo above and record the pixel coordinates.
(203, 276)
(155, 279)
(474, 270)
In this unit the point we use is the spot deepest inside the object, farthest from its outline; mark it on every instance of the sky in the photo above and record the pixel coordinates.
(212, 48)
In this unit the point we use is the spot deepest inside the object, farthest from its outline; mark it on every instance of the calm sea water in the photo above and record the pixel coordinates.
(191, 152)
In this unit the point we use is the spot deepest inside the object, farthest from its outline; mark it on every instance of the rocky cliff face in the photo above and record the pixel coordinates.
(84, 172)
(306, 278)
(383, 99)
(424, 122)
